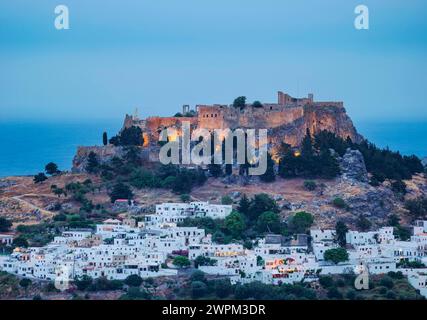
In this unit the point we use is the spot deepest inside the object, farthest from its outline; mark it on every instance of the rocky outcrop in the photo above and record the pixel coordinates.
(316, 119)
(353, 166)
(103, 153)
(424, 162)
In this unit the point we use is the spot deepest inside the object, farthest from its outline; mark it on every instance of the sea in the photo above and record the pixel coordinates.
(27, 146)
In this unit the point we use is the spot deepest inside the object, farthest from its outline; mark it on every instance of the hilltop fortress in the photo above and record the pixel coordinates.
(286, 120)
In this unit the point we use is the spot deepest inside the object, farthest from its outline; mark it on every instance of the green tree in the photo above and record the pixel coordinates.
(257, 104)
(339, 203)
(336, 255)
(398, 187)
(181, 262)
(363, 223)
(133, 280)
(131, 136)
(203, 261)
(92, 165)
(104, 138)
(341, 231)
(198, 289)
(121, 191)
(226, 200)
(269, 175)
(25, 283)
(268, 222)
(5, 224)
(20, 242)
(51, 168)
(39, 178)
(198, 275)
(223, 288)
(260, 203)
(83, 282)
(301, 222)
(244, 205)
(239, 102)
(215, 170)
(235, 224)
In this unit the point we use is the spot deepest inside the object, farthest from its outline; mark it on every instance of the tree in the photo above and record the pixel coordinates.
(244, 205)
(269, 175)
(181, 262)
(336, 255)
(39, 178)
(363, 223)
(198, 289)
(83, 282)
(341, 231)
(20, 242)
(398, 187)
(104, 138)
(261, 202)
(51, 168)
(257, 104)
(25, 283)
(300, 222)
(4, 224)
(235, 224)
(417, 207)
(222, 288)
(339, 203)
(121, 191)
(239, 102)
(198, 275)
(203, 261)
(131, 136)
(133, 280)
(226, 200)
(228, 169)
(215, 170)
(268, 222)
(92, 164)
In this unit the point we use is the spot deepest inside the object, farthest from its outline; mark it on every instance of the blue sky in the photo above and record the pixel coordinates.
(159, 54)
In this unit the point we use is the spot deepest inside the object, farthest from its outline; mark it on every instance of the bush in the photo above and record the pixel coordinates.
(301, 222)
(198, 276)
(4, 224)
(387, 282)
(336, 255)
(326, 281)
(339, 203)
(310, 185)
(25, 283)
(226, 200)
(198, 289)
(222, 288)
(363, 223)
(181, 262)
(133, 280)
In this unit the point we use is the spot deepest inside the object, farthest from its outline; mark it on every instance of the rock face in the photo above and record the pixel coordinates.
(424, 162)
(353, 166)
(104, 155)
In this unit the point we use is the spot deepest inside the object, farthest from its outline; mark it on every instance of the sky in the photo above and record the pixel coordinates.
(160, 54)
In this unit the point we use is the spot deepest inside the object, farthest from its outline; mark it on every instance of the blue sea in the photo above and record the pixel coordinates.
(26, 147)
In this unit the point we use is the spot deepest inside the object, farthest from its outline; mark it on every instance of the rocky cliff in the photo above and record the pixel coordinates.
(330, 118)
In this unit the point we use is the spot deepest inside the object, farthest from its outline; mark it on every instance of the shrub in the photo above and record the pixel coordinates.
(133, 280)
(310, 185)
(339, 203)
(336, 255)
